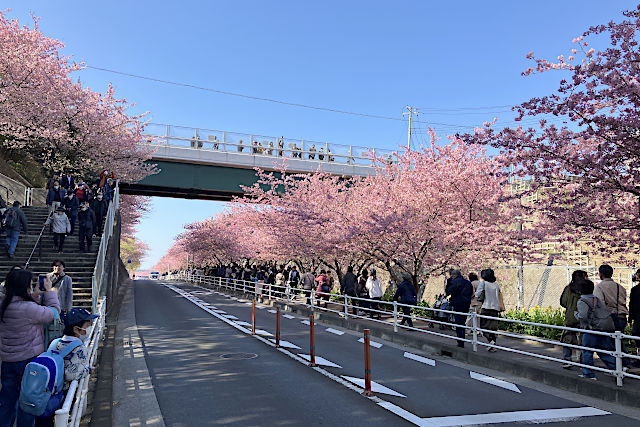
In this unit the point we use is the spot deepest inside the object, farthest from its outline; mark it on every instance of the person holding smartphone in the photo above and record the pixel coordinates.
(63, 284)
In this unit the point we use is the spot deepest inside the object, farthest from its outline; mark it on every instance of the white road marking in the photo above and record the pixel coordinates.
(288, 316)
(263, 332)
(220, 311)
(285, 344)
(305, 322)
(261, 307)
(375, 387)
(420, 359)
(334, 331)
(403, 413)
(534, 416)
(321, 361)
(229, 316)
(242, 300)
(372, 343)
(494, 381)
(243, 323)
(272, 311)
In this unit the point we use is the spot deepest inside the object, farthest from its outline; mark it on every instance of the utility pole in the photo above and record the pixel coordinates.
(410, 112)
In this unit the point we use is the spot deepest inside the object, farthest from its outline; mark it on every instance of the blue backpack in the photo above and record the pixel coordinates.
(43, 379)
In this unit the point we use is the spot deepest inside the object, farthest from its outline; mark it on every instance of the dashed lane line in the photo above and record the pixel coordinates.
(334, 331)
(494, 381)
(420, 359)
(288, 316)
(231, 317)
(372, 343)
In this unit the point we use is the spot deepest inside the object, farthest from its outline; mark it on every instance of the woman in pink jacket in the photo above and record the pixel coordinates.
(22, 323)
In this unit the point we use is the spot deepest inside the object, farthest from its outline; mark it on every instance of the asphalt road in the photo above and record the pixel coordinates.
(194, 386)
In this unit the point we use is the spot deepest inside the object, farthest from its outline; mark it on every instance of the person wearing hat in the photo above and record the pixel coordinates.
(60, 227)
(77, 326)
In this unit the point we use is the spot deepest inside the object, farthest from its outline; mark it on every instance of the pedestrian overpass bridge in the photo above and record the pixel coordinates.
(211, 164)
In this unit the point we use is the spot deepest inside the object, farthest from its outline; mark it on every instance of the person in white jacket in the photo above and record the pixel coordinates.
(489, 292)
(375, 292)
(60, 226)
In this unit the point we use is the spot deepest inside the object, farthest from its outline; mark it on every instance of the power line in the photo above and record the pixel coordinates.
(240, 95)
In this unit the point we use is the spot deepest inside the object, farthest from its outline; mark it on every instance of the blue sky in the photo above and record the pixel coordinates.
(452, 60)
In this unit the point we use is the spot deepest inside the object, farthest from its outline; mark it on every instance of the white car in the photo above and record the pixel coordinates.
(154, 275)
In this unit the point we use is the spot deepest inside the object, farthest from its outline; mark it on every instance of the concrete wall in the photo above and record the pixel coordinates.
(12, 190)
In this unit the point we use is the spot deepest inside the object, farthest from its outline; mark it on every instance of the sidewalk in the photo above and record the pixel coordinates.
(509, 362)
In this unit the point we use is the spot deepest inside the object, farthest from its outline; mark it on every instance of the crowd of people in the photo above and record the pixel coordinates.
(73, 203)
(601, 307)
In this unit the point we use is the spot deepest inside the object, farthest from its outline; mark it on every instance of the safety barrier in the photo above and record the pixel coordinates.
(312, 299)
(75, 402)
(97, 279)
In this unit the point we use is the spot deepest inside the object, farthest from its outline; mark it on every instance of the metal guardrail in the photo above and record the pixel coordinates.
(97, 279)
(37, 245)
(75, 402)
(289, 295)
(260, 145)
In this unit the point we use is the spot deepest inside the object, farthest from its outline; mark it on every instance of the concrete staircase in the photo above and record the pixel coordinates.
(79, 265)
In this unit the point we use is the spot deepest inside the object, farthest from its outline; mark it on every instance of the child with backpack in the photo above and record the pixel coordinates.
(22, 323)
(594, 315)
(65, 360)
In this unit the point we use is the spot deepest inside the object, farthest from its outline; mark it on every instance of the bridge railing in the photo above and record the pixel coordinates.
(97, 279)
(341, 305)
(261, 145)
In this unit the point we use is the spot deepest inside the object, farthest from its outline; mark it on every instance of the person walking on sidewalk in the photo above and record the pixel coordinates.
(60, 226)
(375, 293)
(406, 294)
(460, 291)
(308, 282)
(348, 286)
(569, 300)
(22, 323)
(476, 305)
(489, 294)
(15, 222)
(634, 313)
(589, 314)
(614, 296)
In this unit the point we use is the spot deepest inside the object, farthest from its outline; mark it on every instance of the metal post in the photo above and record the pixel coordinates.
(395, 316)
(168, 132)
(346, 309)
(313, 304)
(288, 292)
(253, 317)
(474, 324)
(278, 327)
(312, 342)
(270, 285)
(520, 270)
(367, 365)
(618, 338)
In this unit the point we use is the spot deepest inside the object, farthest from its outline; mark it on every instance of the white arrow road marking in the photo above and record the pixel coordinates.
(321, 361)
(375, 387)
(494, 381)
(263, 333)
(334, 331)
(285, 344)
(288, 316)
(535, 416)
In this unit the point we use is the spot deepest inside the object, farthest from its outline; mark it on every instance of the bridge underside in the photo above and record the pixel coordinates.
(192, 181)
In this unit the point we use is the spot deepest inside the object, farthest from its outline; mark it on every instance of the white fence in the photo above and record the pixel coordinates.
(97, 280)
(75, 402)
(342, 306)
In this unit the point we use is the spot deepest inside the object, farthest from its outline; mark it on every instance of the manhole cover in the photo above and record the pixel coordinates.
(238, 356)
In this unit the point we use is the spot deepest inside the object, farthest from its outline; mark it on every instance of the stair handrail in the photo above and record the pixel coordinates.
(7, 189)
(98, 271)
(37, 245)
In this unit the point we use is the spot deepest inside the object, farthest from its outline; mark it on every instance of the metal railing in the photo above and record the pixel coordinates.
(97, 279)
(7, 189)
(37, 245)
(75, 402)
(260, 145)
(341, 305)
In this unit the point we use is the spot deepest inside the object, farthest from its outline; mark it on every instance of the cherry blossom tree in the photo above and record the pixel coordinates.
(586, 170)
(59, 122)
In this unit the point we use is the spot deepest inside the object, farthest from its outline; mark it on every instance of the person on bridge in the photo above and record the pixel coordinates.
(15, 222)
(55, 197)
(460, 291)
(489, 293)
(348, 286)
(21, 337)
(60, 226)
(312, 152)
(374, 288)
(569, 300)
(406, 294)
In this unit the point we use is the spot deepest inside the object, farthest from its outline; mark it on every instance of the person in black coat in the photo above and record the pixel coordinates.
(460, 291)
(86, 226)
(99, 206)
(349, 285)
(406, 294)
(71, 206)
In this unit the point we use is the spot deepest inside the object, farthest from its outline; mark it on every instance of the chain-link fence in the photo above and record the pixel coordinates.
(541, 285)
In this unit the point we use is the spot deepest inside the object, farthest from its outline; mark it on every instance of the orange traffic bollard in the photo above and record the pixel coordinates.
(367, 366)
(277, 327)
(253, 318)
(312, 343)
